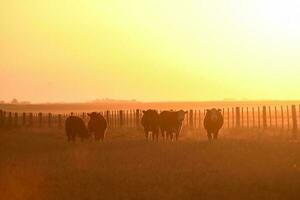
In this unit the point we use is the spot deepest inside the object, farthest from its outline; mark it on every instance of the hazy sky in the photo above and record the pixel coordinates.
(78, 50)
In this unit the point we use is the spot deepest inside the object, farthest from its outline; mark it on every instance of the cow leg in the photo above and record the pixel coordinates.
(97, 137)
(163, 134)
(209, 136)
(146, 134)
(168, 135)
(171, 136)
(153, 134)
(216, 135)
(69, 138)
(177, 134)
(156, 135)
(103, 137)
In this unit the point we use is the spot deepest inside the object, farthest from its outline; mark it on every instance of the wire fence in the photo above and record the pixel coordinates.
(261, 117)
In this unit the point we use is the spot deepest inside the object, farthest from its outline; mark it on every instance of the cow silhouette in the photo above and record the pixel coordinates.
(97, 125)
(213, 122)
(150, 122)
(75, 127)
(171, 123)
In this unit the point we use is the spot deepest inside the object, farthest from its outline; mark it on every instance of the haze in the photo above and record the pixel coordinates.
(59, 50)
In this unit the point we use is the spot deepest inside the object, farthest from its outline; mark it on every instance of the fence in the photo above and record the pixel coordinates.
(261, 117)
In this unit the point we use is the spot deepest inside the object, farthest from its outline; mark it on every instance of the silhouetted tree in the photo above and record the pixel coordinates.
(14, 101)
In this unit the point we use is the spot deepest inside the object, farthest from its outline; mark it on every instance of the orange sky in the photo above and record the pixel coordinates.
(61, 50)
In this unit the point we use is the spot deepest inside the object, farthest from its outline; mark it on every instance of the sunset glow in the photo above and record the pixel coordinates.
(61, 50)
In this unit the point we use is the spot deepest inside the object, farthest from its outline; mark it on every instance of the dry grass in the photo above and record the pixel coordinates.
(37, 164)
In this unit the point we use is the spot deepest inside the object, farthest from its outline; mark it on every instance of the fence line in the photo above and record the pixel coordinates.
(261, 117)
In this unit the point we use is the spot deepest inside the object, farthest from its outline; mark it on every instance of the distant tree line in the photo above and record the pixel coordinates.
(15, 102)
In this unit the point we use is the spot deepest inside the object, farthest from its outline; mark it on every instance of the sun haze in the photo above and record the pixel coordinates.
(62, 50)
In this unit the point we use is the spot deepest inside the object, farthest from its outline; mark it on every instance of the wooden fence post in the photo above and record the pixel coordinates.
(137, 118)
(237, 117)
(107, 118)
(258, 114)
(288, 117)
(126, 118)
(228, 118)
(299, 113)
(294, 118)
(242, 121)
(200, 120)
(232, 111)
(49, 120)
(270, 115)
(113, 119)
(1, 118)
(16, 120)
(59, 121)
(121, 113)
(276, 120)
(4, 118)
(247, 117)
(116, 119)
(24, 119)
(253, 117)
(30, 119)
(9, 124)
(265, 117)
(191, 119)
(282, 118)
(40, 118)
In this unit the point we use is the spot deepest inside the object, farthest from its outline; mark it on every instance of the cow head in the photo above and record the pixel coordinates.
(213, 114)
(181, 115)
(94, 115)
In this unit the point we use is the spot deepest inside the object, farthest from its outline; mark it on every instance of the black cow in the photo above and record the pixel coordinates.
(213, 122)
(97, 125)
(170, 123)
(150, 122)
(75, 127)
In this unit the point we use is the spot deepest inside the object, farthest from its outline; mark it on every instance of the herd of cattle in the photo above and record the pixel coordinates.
(168, 123)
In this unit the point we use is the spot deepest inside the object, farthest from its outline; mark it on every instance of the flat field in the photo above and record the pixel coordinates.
(40, 164)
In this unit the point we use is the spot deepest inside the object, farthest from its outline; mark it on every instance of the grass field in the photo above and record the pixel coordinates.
(40, 164)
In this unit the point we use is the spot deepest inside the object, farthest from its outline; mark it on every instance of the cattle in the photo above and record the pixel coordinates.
(75, 127)
(171, 123)
(213, 122)
(150, 122)
(97, 125)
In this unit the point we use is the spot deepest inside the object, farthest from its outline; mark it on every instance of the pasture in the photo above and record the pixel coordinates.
(40, 164)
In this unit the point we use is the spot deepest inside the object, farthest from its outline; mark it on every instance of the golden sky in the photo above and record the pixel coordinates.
(79, 50)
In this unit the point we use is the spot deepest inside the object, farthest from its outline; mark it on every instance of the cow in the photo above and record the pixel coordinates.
(213, 122)
(150, 122)
(171, 123)
(97, 125)
(75, 127)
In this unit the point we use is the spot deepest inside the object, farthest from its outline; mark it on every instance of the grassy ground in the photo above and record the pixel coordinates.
(40, 164)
